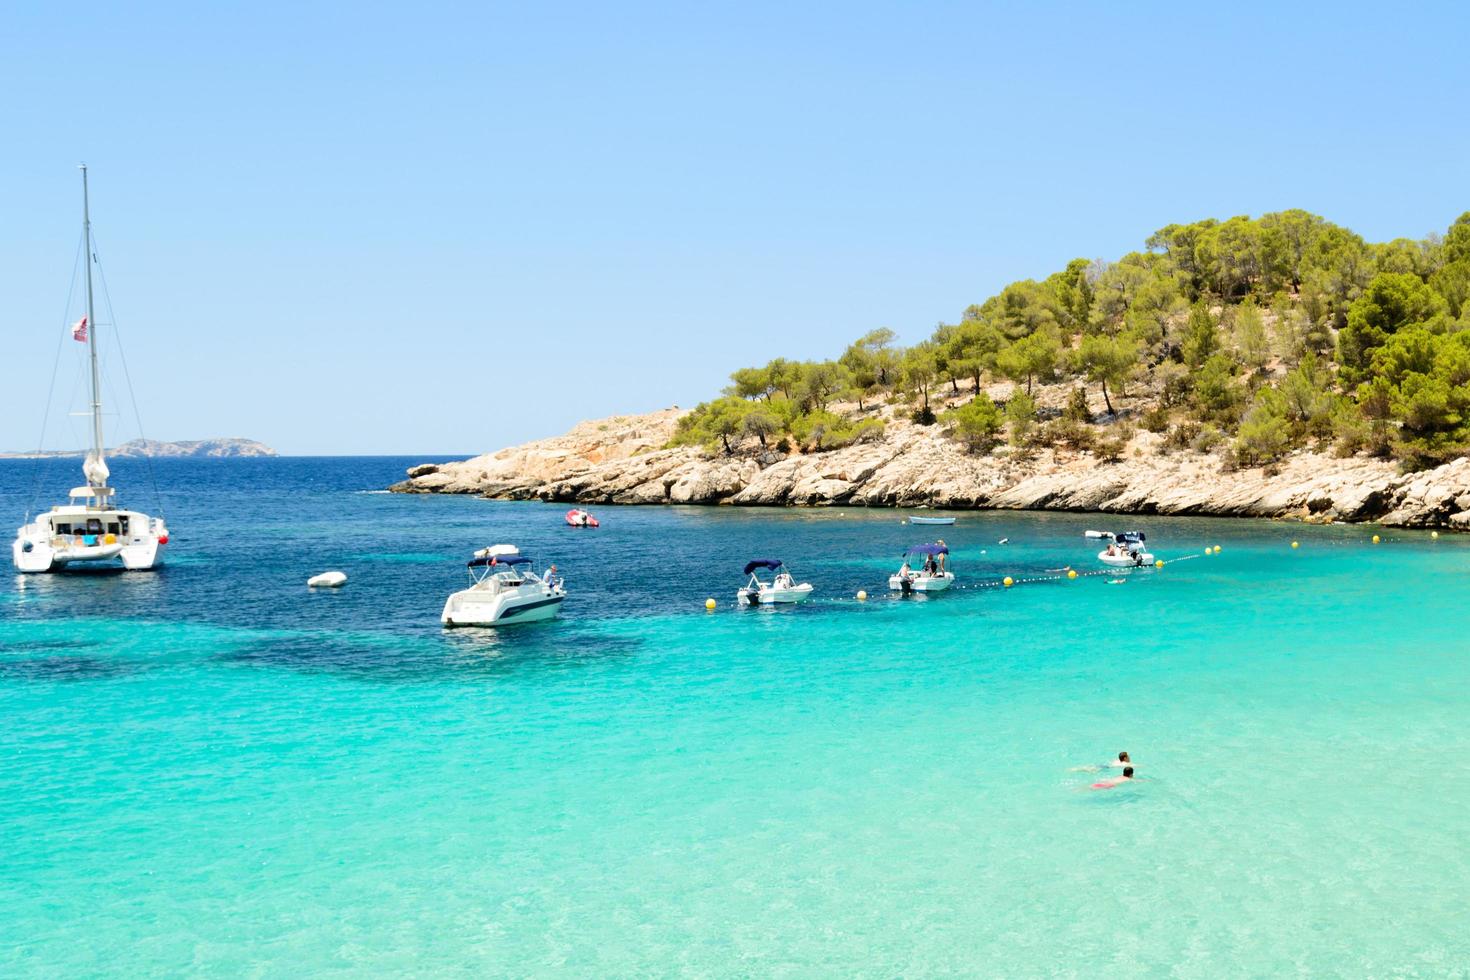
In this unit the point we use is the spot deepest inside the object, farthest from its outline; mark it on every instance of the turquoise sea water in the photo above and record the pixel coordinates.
(213, 770)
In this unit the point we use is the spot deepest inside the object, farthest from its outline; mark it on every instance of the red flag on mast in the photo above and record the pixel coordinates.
(79, 330)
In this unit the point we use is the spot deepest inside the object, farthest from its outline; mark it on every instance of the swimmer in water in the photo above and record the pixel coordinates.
(1127, 777)
(1121, 762)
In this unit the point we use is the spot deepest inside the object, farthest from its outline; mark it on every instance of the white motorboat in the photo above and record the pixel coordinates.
(1126, 549)
(781, 589)
(932, 574)
(91, 530)
(503, 591)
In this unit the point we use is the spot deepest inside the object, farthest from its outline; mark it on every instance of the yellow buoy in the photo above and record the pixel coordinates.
(1434, 534)
(862, 595)
(710, 604)
(1159, 563)
(1071, 573)
(1217, 549)
(1008, 582)
(1375, 539)
(1295, 544)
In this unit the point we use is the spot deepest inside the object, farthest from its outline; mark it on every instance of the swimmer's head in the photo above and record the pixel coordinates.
(1127, 772)
(1123, 757)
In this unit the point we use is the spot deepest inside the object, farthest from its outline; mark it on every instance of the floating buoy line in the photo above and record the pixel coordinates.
(1061, 575)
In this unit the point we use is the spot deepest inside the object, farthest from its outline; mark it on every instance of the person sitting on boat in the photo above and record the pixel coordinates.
(783, 581)
(550, 577)
(929, 565)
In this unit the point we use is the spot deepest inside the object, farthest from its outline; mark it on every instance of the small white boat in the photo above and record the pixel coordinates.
(503, 591)
(327, 580)
(931, 576)
(931, 520)
(782, 589)
(1126, 549)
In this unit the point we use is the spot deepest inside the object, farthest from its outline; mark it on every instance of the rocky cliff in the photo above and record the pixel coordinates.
(199, 447)
(622, 460)
(211, 448)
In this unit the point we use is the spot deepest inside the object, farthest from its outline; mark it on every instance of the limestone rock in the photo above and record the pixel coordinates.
(623, 460)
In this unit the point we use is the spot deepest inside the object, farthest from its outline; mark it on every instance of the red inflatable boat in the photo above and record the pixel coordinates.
(580, 518)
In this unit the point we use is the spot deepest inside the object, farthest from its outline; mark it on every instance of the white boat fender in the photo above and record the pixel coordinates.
(327, 580)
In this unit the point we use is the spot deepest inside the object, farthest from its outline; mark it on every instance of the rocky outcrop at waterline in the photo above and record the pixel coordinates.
(625, 460)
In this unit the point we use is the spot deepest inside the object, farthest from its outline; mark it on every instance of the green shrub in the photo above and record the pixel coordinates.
(975, 423)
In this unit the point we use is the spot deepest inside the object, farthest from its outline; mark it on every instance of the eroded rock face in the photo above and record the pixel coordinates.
(623, 460)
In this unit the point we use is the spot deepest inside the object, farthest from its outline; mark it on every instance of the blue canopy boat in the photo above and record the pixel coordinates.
(932, 575)
(781, 589)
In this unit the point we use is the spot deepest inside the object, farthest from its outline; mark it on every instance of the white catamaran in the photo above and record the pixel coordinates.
(90, 531)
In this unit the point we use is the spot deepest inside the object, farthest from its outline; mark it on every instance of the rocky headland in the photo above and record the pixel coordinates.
(152, 448)
(627, 460)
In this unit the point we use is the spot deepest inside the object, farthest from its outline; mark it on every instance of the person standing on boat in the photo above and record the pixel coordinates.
(939, 558)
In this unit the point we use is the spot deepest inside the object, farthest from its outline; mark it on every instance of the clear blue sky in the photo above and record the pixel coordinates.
(356, 228)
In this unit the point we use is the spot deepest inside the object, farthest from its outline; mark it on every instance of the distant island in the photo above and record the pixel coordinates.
(1280, 366)
(152, 448)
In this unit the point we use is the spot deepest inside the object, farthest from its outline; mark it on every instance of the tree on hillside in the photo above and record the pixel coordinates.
(1456, 246)
(1108, 359)
(919, 370)
(973, 346)
(1265, 432)
(1020, 412)
(1287, 237)
(976, 422)
(1031, 357)
(1452, 282)
(872, 360)
(761, 423)
(1074, 293)
(822, 382)
(1392, 302)
(1250, 337)
(1024, 308)
(1215, 389)
(1201, 336)
(751, 383)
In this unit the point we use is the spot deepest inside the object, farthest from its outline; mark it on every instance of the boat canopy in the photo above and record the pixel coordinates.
(771, 563)
(928, 549)
(488, 560)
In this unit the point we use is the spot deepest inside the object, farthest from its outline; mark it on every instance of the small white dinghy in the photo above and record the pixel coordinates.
(327, 580)
(931, 576)
(503, 591)
(1126, 549)
(782, 589)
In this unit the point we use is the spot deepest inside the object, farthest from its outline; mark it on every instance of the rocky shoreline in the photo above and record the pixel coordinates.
(623, 460)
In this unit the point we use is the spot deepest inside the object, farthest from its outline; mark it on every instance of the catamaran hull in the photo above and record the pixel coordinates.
(41, 557)
(466, 608)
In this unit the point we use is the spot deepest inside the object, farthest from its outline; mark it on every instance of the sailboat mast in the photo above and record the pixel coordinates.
(92, 328)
